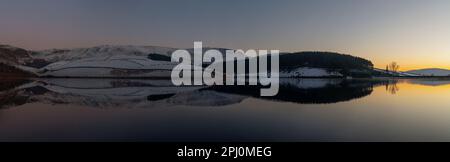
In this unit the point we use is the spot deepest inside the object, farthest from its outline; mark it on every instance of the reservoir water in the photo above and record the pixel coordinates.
(155, 110)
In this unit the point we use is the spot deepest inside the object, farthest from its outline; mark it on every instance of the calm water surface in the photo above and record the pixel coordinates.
(154, 110)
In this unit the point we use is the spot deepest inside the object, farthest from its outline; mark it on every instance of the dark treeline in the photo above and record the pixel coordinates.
(345, 64)
(158, 57)
(327, 60)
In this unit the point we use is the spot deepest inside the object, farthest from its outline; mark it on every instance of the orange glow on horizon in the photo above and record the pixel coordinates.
(414, 67)
(408, 60)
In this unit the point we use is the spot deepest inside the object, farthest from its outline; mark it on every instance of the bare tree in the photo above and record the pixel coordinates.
(393, 66)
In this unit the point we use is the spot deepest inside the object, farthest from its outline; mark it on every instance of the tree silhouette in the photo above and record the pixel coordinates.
(393, 66)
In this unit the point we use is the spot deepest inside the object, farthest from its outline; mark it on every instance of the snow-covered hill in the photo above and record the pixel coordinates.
(13, 55)
(15, 59)
(54, 55)
(107, 61)
(431, 72)
(119, 65)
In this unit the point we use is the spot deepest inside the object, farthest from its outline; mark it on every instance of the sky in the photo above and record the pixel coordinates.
(414, 33)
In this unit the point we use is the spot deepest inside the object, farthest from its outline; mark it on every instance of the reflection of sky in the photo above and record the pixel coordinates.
(415, 33)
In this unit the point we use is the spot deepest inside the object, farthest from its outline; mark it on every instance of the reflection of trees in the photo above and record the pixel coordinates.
(391, 87)
(345, 90)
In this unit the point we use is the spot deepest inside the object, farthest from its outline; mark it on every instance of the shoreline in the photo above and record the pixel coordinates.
(163, 78)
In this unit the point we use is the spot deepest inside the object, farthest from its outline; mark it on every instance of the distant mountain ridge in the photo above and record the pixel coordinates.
(431, 72)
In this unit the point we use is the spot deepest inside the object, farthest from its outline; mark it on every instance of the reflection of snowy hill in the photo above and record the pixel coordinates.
(118, 92)
(105, 91)
(113, 93)
(430, 82)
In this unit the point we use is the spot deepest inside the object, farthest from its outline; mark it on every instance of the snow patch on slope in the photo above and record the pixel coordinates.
(309, 72)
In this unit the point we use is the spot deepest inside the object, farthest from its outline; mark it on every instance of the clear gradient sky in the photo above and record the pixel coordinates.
(415, 33)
